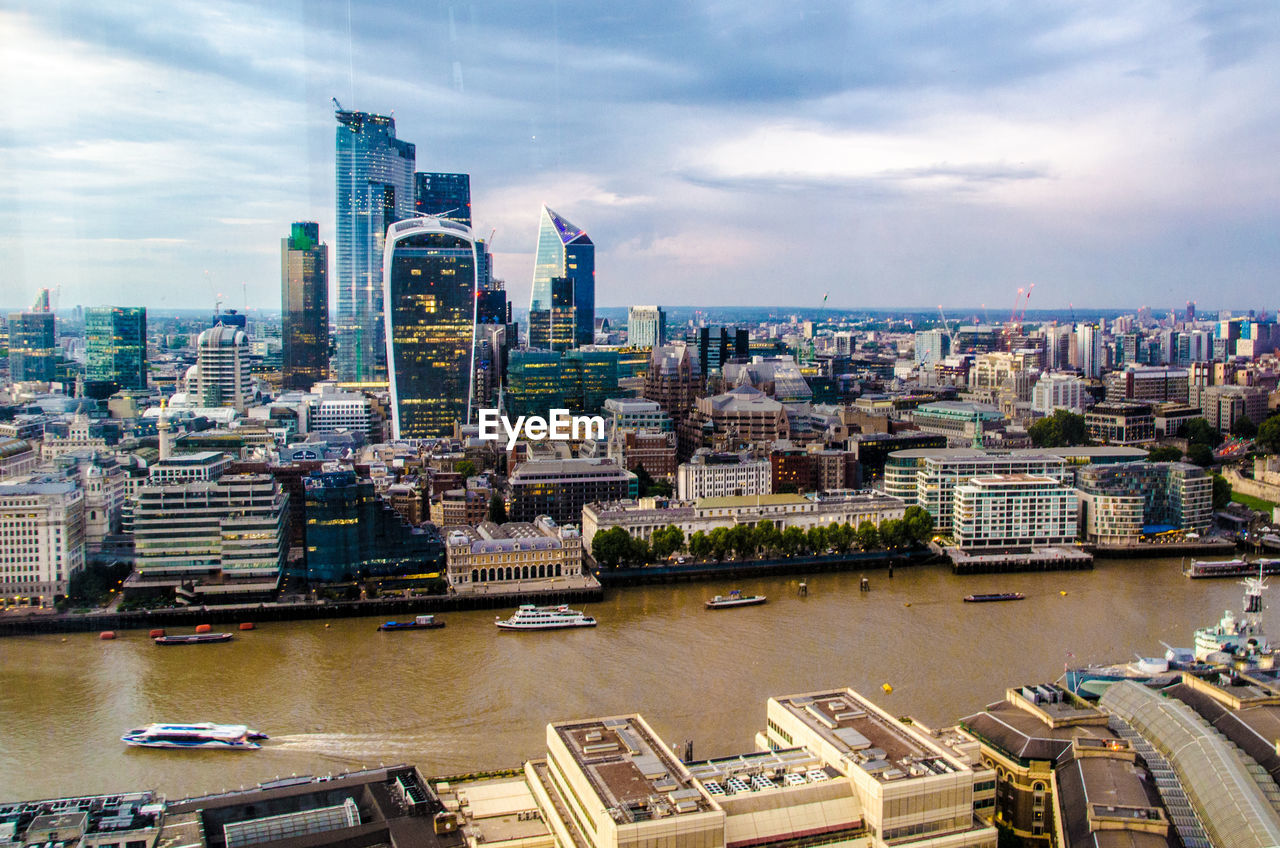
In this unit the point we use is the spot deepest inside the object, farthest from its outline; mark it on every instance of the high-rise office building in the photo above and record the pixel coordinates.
(566, 251)
(556, 326)
(932, 346)
(1089, 349)
(32, 342)
(445, 196)
(374, 190)
(222, 368)
(646, 326)
(718, 346)
(429, 275)
(492, 307)
(115, 345)
(304, 296)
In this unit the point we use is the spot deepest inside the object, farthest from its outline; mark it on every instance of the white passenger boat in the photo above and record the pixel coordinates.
(735, 599)
(530, 617)
(199, 735)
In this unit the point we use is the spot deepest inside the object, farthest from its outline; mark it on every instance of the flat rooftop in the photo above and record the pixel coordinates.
(876, 743)
(630, 769)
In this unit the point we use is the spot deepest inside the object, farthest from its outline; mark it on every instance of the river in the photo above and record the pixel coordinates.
(341, 695)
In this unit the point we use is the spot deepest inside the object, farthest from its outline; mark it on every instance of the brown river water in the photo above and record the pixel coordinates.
(470, 697)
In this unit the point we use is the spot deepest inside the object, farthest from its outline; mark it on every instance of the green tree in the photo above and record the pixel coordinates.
(1201, 454)
(1061, 429)
(1269, 434)
(893, 533)
(466, 468)
(666, 541)
(841, 537)
(1221, 491)
(742, 539)
(611, 547)
(498, 509)
(768, 537)
(1198, 431)
(720, 542)
(650, 488)
(793, 541)
(868, 536)
(699, 545)
(638, 551)
(1164, 454)
(917, 524)
(816, 539)
(1244, 428)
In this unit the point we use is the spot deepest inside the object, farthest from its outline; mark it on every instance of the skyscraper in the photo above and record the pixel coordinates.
(445, 196)
(429, 281)
(31, 342)
(115, 344)
(566, 251)
(556, 326)
(1089, 349)
(646, 326)
(222, 368)
(374, 190)
(304, 296)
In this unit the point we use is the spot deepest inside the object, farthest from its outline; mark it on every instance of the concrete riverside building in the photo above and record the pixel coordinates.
(1013, 511)
(831, 769)
(541, 552)
(641, 518)
(929, 477)
(42, 539)
(559, 488)
(713, 475)
(1117, 502)
(228, 534)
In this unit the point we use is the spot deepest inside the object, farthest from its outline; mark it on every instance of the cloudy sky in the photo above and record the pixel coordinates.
(717, 151)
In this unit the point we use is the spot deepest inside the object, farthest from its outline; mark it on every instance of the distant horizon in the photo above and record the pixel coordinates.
(953, 314)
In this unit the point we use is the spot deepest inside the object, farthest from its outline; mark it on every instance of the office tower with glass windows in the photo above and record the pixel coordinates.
(32, 339)
(374, 190)
(115, 345)
(429, 280)
(304, 296)
(445, 196)
(646, 326)
(555, 327)
(565, 251)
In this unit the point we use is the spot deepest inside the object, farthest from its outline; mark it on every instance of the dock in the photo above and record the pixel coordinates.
(1053, 558)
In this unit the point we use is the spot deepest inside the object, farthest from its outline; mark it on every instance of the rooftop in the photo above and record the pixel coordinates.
(631, 770)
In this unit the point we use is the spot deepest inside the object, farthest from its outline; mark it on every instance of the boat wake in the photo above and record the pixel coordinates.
(355, 745)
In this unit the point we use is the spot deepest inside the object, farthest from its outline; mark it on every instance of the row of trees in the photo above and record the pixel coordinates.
(614, 547)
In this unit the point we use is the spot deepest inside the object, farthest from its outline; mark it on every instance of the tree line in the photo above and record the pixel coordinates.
(764, 539)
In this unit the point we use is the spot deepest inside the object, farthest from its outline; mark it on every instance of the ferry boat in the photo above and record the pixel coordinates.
(735, 599)
(421, 622)
(235, 737)
(994, 596)
(1231, 567)
(1235, 642)
(193, 639)
(530, 617)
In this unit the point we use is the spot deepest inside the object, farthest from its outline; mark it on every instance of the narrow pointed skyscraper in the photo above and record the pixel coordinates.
(566, 251)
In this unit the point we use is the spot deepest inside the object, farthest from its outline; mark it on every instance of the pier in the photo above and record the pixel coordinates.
(1056, 558)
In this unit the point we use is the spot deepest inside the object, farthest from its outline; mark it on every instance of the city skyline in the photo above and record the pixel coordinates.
(1112, 156)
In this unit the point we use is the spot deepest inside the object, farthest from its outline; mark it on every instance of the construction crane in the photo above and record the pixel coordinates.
(951, 337)
(337, 104)
(1022, 316)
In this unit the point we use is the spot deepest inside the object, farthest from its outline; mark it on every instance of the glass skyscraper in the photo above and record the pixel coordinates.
(374, 190)
(445, 196)
(115, 345)
(32, 339)
(555, 328)
(566, 251)
(429, 277)
(304, 296)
